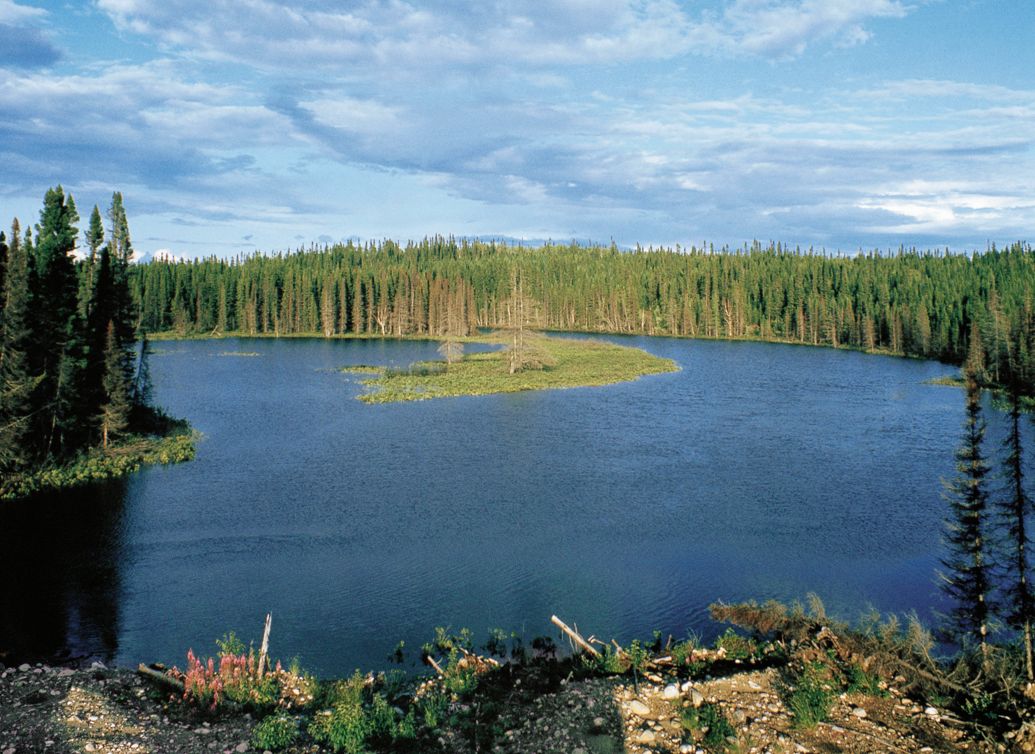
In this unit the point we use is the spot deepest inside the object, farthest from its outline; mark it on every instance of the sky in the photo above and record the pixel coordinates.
(233, 126)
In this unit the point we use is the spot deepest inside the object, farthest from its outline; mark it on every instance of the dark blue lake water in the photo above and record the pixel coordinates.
(758, 471)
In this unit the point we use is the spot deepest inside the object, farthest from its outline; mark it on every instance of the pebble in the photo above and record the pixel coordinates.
(242, 747)
(646, 737)
(671, 692)
(25, 667)
(686, 749)
(598, 723)
(696, 698)
(931, 711)
(639, 708)
(859, 712)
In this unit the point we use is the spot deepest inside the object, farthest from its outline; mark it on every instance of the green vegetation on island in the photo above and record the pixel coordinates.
(549, 363)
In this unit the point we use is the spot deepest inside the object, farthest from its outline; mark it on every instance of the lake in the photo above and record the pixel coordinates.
(757, 471)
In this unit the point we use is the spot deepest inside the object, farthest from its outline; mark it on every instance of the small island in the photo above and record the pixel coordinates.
(536, 362)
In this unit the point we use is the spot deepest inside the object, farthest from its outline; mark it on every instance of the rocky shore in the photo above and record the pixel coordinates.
(54, 710)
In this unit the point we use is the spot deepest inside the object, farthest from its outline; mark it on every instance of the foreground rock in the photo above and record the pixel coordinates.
(58, 710)
(610, 715)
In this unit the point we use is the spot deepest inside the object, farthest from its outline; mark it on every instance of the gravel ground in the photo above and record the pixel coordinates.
(53, 710)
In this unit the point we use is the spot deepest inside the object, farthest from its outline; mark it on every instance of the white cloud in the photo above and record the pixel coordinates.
(785, 28)
(401, 38)
(12, 12)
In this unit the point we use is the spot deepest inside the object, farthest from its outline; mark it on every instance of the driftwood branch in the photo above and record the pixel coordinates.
(265, 648)
(160, 678)
(575, 636)
(618, 649)
(431, 661)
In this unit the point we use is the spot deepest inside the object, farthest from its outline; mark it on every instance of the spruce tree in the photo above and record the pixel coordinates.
(120, 249)
(53, 289)
(115, 411)
(143, 388)
(1014, 507)
(16, 380)
(967, 579)
(3, 267)
(94, 233)
(94, 240)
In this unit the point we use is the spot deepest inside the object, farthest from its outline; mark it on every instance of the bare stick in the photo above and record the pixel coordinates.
(264, 649)
(438, 668)
(159, 677)
(574, 636)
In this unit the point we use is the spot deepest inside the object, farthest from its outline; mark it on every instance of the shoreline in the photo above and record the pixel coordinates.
(175, 446)
(739, 697)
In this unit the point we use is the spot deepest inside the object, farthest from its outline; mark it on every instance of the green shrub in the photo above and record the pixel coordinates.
(344, 727)
(861, 682)
(737, 647)
(712, 721)
(434, 708)
(813, 697)
(275, 732)
(608, 662)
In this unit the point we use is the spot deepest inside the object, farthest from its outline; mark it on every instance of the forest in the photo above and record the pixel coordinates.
(915, 303)
(71, 379)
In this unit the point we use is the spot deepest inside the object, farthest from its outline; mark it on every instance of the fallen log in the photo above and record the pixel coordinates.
(160, 678)
(575, 636)
(438, 668)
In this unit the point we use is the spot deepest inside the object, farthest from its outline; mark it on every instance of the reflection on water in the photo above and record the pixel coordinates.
(60, 590)
(758, 471)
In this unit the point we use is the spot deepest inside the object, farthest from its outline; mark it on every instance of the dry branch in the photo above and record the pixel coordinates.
(575, 636)
(264, 650)
(159, 677)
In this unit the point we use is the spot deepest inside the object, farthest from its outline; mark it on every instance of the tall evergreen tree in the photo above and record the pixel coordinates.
(967, 580)
(1014, 508)
(16, 381)
(121, 251)
(94, 240)
(94, 233)
(115, 411)
(143, 388)
(55, 355)
(3, 267)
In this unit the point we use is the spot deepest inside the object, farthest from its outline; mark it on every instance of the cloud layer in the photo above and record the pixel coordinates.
(639, 120)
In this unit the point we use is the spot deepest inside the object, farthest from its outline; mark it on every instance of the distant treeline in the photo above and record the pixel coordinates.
(911, 302)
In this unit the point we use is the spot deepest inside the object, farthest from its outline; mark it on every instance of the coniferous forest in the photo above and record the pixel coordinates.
(911, 302)
(72, 379)
(70, 376)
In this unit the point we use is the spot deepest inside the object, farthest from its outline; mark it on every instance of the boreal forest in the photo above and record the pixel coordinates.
(916, 303)
(71, 378)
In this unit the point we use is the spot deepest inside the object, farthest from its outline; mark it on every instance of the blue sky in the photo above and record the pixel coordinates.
(236, 125)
